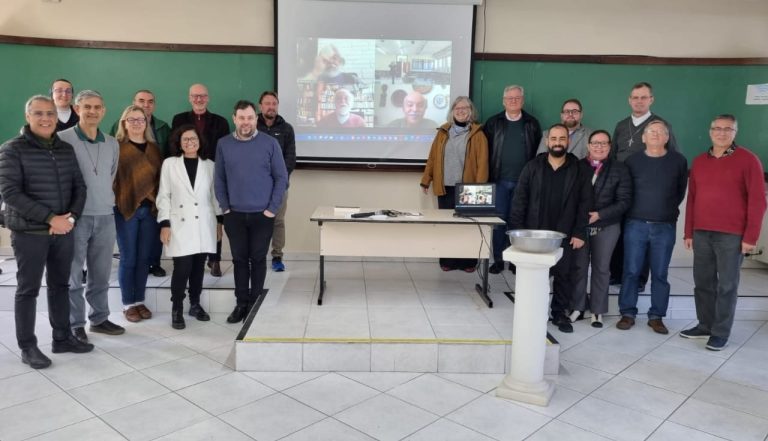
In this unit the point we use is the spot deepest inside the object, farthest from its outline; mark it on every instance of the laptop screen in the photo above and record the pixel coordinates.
(475, 198)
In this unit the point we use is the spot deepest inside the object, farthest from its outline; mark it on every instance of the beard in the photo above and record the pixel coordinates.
(557, 151)
(571, 123)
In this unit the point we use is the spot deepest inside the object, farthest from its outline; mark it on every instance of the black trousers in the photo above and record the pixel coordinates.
(562, 285)
(249, 235)
(36, 253)
(187, 269)
(448, 201)
(217, 256)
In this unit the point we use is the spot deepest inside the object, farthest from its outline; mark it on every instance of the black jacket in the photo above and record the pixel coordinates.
(216, 127)
(283, 133)
(494, 132)
(525, 211)
(37, 182)
(612, 192)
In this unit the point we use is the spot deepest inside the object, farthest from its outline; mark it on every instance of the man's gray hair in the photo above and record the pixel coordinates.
(657, 122)
(87, 93)
(28, 104)
(513, 87)
(728, 117)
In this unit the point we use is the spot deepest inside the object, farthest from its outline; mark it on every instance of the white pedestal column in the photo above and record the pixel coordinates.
(525, 381)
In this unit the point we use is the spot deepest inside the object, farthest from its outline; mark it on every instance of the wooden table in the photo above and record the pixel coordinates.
(437, 233)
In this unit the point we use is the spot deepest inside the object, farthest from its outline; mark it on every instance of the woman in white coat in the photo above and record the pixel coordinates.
(187, 213)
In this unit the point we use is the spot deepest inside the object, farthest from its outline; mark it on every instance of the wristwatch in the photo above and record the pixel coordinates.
(71, 220)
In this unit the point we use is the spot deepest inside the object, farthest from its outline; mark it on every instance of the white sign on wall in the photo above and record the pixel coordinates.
(757, 94)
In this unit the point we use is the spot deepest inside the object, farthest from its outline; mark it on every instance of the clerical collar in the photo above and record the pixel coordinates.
(83, 137)
(637, 120)
(64, 115)
(515, 118)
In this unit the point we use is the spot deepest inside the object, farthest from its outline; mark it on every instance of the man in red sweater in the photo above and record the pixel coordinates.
(726, 204)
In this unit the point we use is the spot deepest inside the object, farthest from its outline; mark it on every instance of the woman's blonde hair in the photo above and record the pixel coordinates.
(122, 133)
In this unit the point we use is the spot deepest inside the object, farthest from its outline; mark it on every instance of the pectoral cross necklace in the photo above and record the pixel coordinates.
(90, 157)
(632, 133)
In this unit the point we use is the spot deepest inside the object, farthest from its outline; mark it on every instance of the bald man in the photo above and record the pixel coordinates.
(414, 108)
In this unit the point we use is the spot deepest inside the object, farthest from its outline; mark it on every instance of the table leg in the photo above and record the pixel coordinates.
(322, 281)
(483, 290)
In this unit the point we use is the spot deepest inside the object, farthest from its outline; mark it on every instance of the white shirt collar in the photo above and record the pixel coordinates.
(637, 120)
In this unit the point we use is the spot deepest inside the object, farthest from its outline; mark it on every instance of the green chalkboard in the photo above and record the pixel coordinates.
(686, 96)
(117, 74)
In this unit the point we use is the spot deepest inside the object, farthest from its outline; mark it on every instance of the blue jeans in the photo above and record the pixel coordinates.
(136, 239)
(658, 240)
(505, 190)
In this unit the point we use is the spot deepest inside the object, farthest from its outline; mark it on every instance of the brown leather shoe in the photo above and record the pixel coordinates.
(625, 323)
(144, 312)
(658, 326)
(132, 314)
(215, 269)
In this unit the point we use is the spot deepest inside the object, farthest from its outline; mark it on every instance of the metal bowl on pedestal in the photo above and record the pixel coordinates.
(536, 241)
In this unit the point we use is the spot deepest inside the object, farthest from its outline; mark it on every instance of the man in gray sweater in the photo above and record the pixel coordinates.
(97, 154)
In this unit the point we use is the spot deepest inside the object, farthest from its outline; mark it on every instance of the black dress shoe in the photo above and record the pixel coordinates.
(215, 269)
(177, 319)
(80, 334)
(85, 276)
(71, 344)
(157, 271)
(34, 358)
(563, 323)
(238, 314)
(496, 268)
(199, 313)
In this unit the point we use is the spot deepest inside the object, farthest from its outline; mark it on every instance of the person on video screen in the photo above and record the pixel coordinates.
(414, 107)
(342, 116)
(327, 69)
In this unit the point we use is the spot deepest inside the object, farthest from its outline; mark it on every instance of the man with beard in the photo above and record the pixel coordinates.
(554, 193)
(342, 116)
(414, 108)
(271, 123)
(248, 159)
(659, 179)
(570, 116)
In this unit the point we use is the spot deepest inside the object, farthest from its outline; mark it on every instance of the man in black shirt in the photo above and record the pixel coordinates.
(554, 193)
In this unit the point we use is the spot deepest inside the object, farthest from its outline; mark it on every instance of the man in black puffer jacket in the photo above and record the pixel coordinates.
(43, 194)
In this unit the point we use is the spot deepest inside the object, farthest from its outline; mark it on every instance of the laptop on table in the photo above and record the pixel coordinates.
(475, 200)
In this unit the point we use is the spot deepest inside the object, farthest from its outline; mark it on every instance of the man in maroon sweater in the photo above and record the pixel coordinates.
(726, 204)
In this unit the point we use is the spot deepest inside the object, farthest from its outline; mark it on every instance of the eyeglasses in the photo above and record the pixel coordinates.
(67, 91)
(462, 108)
(640, 98)
(656, 132)
(136, 121)
(199, 96)
(725, 130)
(42, 114)
(600, 143)
(571, 112)
(193, 139)
(513, 98)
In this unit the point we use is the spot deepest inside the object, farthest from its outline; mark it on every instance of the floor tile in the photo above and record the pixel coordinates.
(155, 417)
(225, 393)
(562, 400)
(579, 378)
(40, 416)
(445, 430)
(610, 420)
(386, 418)
(720, 421)
(734, 396)
(747, 367)
(152, 353)
(421, 393)
(498, 418)
(322, 393)
(118, 392)
(74, 370)
(328, 429)
(681, 380)
(670, 431)
(381, 381)
(208, 430)
(206, 338)
(558, 431)
(10, 364)
(639, 396)
(93, 429)
(685, 359)
(283, 380)
(25, 387)
(272, 417)
(481, 382)
(597, 357)
(185, 372)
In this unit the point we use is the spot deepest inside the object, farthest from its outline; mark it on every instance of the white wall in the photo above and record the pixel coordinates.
(680, 28)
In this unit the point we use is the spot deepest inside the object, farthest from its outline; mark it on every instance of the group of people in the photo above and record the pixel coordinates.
(616, 198)
(70, 191)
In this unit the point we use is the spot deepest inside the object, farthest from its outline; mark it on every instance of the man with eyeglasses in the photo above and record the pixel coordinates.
(724, 213)
(513, 137)
(628, 139)
(62, 93)
(43, 194)
(212, 127)
(570, 116)
(145, 99)
(97, 155)
(659, 178)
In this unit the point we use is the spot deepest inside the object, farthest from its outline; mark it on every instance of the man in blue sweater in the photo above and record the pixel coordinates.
(250, 182)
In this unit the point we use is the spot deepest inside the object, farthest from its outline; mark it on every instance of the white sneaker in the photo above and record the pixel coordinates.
(597, 320)
(574, 316)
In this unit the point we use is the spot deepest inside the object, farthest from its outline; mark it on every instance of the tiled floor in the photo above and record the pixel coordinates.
(158, 383)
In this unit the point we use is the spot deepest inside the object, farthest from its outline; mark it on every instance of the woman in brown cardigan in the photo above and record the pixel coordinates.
(135, 187)
(459, 154)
